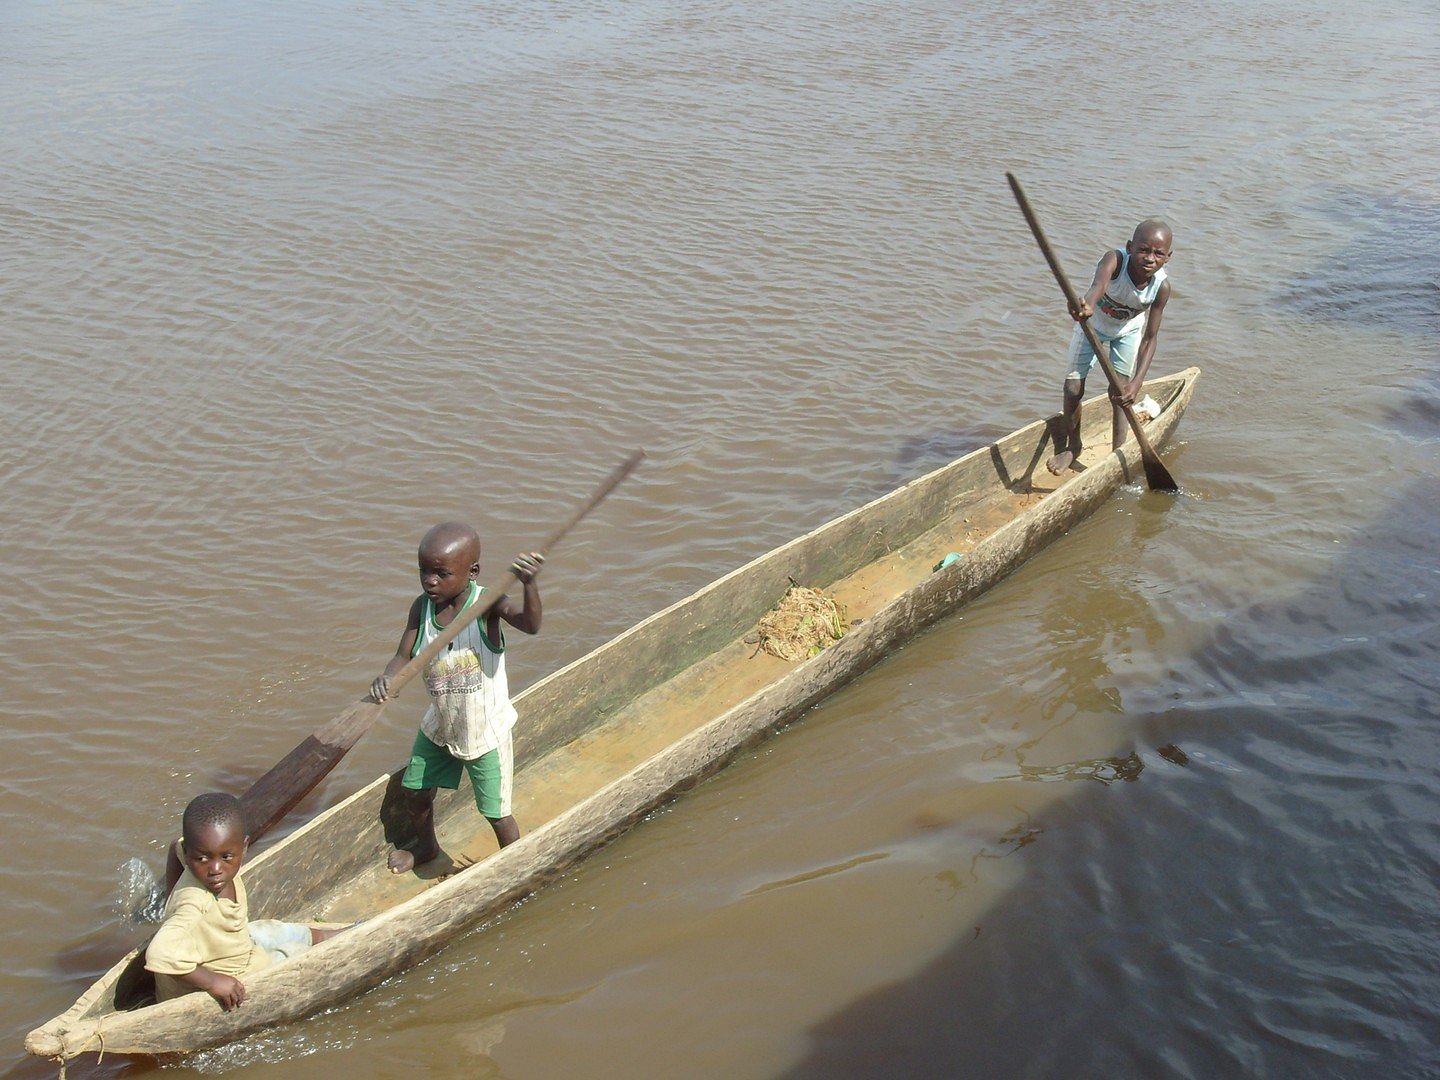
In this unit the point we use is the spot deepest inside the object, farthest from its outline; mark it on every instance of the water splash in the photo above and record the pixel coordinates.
(141, 895)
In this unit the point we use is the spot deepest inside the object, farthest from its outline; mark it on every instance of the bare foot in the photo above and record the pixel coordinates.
(402, 861)
(1060, 462)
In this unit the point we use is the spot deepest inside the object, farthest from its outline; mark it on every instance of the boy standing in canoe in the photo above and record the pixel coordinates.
(467, 727)
(1124, 304)
(207, 940)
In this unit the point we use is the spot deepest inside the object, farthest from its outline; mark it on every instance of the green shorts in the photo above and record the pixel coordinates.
(492, 775)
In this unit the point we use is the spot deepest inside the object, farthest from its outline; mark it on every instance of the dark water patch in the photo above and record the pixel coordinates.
(1417, 413)
(920, 453)
(1389, 275)
(1264, 908)
(916, 456)
(106, 1068)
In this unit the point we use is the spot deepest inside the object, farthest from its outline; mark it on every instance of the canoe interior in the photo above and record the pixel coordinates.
(592, 722)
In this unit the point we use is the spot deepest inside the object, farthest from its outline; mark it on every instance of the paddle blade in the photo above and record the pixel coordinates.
(1157, 476)
(296, 774)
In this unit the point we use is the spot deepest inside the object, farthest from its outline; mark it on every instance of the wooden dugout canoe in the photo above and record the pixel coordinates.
(616, 733)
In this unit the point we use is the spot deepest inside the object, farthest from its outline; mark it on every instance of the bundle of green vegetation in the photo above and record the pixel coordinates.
(804, 622)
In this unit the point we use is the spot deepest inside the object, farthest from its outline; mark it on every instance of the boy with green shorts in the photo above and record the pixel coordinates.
(467, 727)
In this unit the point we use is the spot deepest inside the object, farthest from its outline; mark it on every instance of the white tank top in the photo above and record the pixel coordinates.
(471, 713)
(1122, 306)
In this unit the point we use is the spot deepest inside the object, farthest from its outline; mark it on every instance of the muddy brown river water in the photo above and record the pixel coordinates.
(283, 287)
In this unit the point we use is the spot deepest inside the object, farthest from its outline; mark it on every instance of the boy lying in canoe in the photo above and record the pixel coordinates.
(468, 724)
(1124, 304)
(207, 940)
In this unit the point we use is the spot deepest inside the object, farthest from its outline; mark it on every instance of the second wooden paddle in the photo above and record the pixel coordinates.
(1156, 475)
(271, 797)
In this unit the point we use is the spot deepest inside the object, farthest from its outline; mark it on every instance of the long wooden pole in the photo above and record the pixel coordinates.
(272, 796)
(1156, 475)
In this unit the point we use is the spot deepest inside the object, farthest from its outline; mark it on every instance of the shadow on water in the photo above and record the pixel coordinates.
(923, 453)
(87, 1068)
(1389, 275)
(1259, 903)
(1418, 413)
(919, 454)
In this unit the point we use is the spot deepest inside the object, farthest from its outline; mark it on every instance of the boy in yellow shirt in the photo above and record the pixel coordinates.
(207, 941)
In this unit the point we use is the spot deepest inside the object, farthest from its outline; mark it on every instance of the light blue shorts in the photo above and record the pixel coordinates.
(282, 940)
(1123, 351)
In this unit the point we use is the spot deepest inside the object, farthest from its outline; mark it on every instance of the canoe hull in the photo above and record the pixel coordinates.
(400, 937)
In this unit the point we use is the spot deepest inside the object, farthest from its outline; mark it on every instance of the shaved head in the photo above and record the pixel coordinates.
(217, 810)
(1156, 228)
(452, 537)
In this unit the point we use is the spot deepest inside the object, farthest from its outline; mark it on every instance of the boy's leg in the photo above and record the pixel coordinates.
(1123, 351)
(1119, 426)
(1078, 361)
(430, 766)
(420, 805)
(283, 940)
(507, 829)
(492, 775)
(1067, 440)
(286, 940)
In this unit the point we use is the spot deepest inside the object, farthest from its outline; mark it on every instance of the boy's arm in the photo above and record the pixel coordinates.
(380, 688)
(1148, 341)
(525, 616)
(175, 951)
(1105, 269)
(226, 989)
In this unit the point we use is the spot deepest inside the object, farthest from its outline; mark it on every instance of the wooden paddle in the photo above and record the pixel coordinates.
(1156, 475)
(270, 798)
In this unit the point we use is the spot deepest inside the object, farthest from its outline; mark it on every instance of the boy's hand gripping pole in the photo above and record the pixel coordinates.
(272, 796)
(1156, 475)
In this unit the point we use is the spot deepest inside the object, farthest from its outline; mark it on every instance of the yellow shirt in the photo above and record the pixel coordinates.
(202, 930)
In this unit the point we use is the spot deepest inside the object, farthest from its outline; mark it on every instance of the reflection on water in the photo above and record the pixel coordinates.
(1103, 770)
(1388, 275)
(1311, 852)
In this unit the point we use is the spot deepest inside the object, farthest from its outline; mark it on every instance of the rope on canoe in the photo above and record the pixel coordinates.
(63, 1058)
(67, 1055)
(801, 625)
